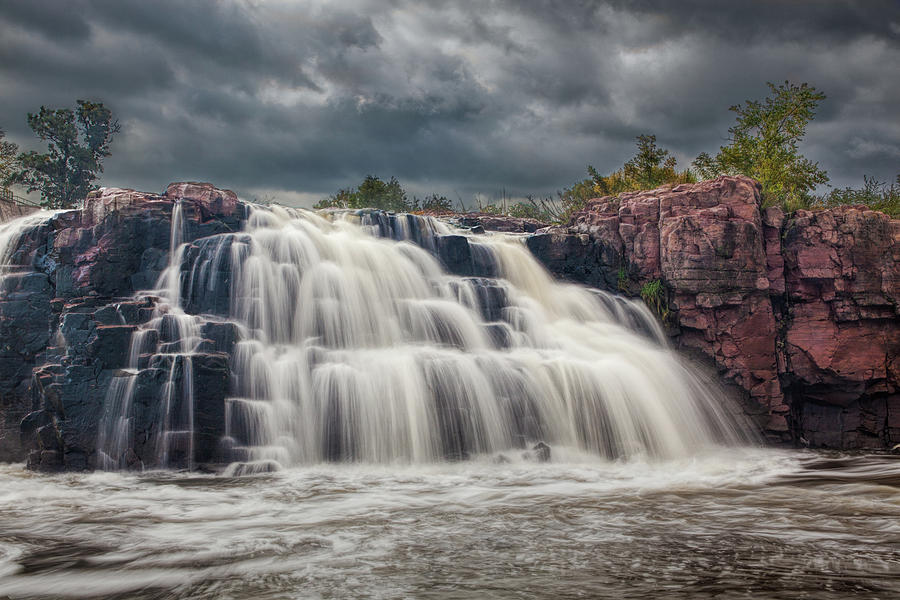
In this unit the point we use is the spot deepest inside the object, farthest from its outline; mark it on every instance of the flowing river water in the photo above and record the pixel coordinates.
(733, 523)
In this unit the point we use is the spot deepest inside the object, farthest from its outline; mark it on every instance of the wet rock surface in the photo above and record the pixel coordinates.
(68, 312)
(799, 313)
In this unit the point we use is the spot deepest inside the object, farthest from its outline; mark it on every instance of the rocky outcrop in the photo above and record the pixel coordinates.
(840, 358)
(68, 312)
(501, 223)
(800, 314)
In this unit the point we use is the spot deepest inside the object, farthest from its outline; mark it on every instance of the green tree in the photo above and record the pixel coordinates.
(373, 192)
(652, 166)
(9, 160)
(764, 144)
(78, 141)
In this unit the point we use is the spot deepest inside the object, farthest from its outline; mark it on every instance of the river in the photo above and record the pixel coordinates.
(736, 523)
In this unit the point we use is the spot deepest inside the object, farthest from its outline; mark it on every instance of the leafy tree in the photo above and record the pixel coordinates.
(373, 192)
(9, 160)
(764, 144)
(78, 141)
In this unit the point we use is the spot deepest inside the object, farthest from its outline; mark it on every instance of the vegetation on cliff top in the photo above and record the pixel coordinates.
(78, 141)
(764, 144)
(9, 159)
(374, 192)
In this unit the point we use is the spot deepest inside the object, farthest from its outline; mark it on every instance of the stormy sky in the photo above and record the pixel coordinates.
(292, 100)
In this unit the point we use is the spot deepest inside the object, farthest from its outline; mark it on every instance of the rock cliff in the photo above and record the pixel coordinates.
(801, 314)
(67, 313)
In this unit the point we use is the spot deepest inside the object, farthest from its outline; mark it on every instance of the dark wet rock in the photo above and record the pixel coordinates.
(67, 317)
(455, 254)
(211, 386)
(111, 345)
(541, 452)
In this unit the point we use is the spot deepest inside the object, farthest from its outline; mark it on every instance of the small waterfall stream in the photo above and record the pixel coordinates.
(354, 344)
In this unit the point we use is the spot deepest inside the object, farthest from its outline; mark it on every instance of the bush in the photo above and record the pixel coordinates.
(371, 193)
(655, 296)
(650, 168)
(875, 194)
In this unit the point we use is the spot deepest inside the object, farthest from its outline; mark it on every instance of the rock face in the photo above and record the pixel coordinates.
(68, 312)
(500, 223)
(800, 314)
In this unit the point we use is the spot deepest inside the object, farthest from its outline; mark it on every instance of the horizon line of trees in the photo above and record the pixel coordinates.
(764, 143)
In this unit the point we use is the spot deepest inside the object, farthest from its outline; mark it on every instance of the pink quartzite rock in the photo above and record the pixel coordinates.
(842, 345)
(706, 242)
(211, 199)
(801, 312)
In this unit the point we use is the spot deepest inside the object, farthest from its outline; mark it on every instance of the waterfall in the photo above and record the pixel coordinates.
(11, 234)
(355, 344)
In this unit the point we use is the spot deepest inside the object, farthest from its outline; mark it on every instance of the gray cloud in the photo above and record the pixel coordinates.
(296, 99)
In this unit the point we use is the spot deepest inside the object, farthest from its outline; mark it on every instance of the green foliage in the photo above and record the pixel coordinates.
(78, 141)
(875, 194)
(542, 209)
(654, 296)
(764, 144)
(526, 210)
(434, 203)
(623, 281)
(373, 192)
(9, 160)
(650, 168)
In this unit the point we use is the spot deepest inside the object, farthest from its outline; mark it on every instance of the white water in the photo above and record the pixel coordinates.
(11, 234)
(735, 524)
(355, 347)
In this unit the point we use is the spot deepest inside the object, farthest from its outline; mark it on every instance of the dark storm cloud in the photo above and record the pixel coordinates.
(285, 98)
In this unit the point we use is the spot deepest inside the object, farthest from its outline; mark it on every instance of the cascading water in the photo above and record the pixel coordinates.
(11, 234)
(355, 345)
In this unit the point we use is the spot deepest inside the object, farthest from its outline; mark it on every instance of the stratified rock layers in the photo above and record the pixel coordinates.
(67, 313)
(801, 314)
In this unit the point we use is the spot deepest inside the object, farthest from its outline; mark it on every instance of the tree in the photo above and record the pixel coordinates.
(9, 160)
(78, 141)
(652, 166)
(764, 144)
(373, 192)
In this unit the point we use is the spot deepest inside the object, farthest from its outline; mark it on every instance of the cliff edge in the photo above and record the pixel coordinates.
(800, 313)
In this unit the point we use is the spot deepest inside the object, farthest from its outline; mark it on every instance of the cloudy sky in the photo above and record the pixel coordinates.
(292, 100)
